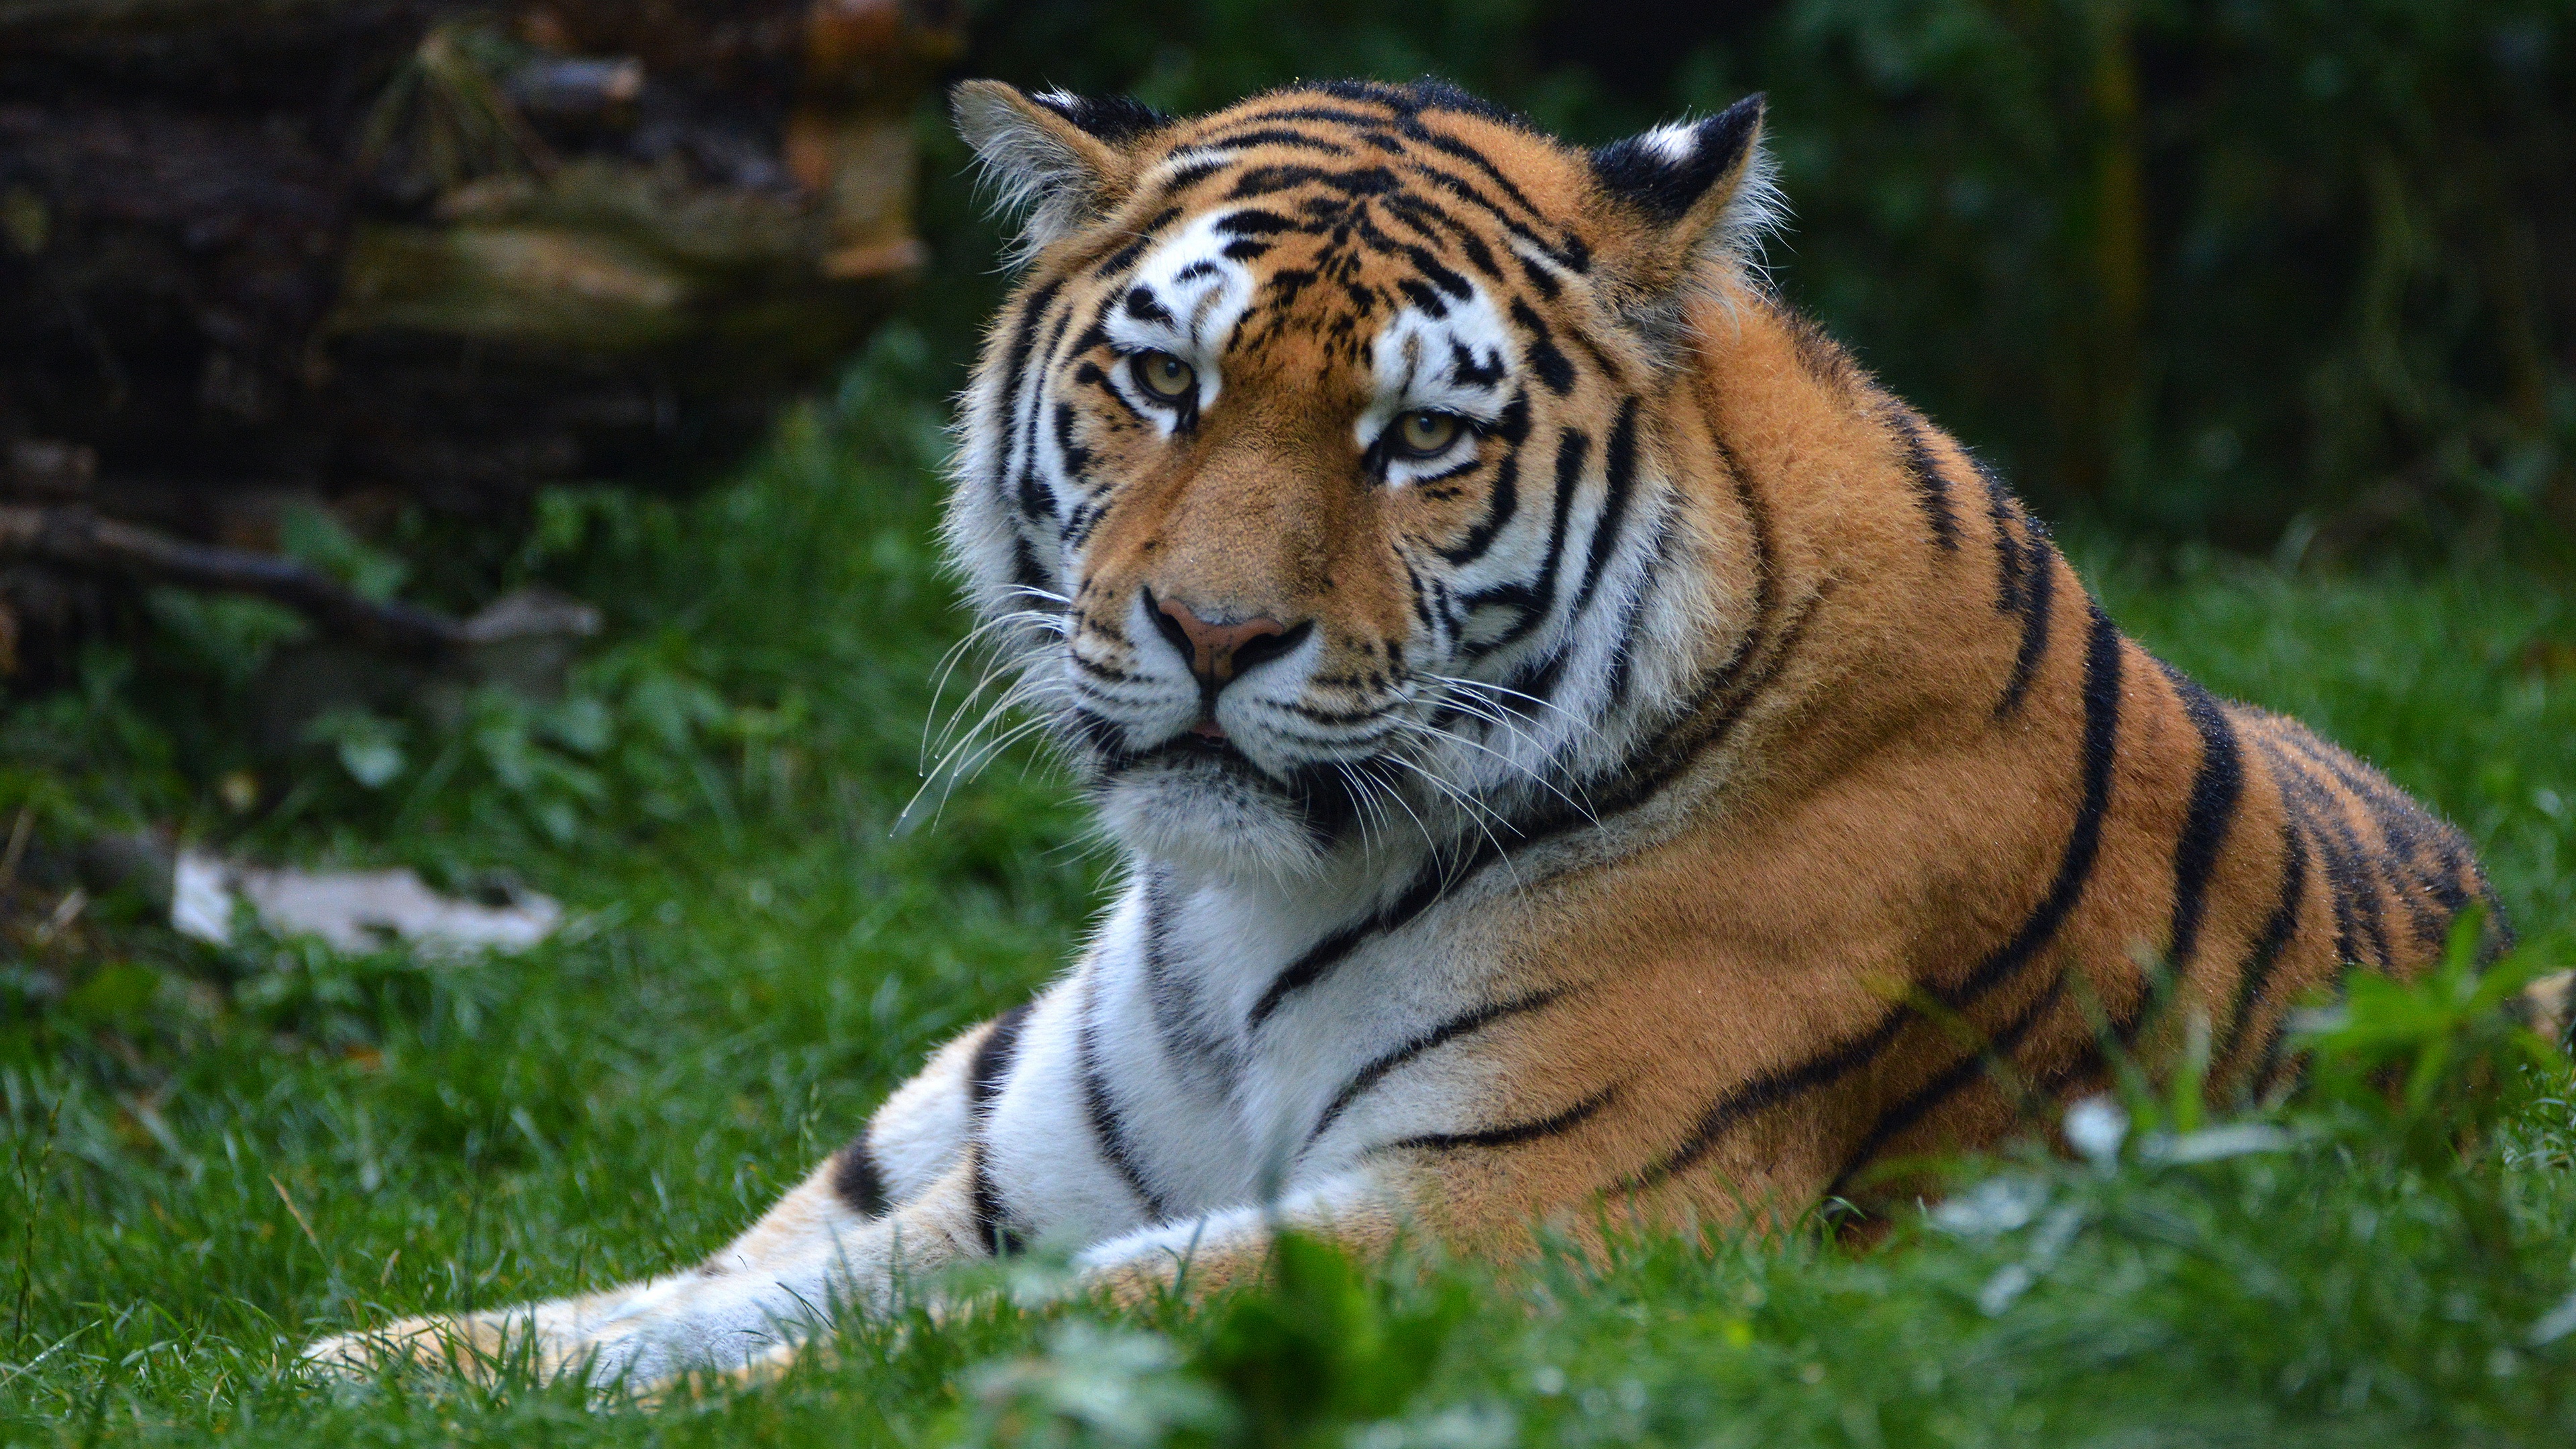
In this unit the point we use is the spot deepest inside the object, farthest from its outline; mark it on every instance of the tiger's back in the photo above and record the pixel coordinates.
(1959, 819)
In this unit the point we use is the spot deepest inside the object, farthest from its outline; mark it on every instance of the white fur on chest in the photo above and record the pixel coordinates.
(1149, 1051)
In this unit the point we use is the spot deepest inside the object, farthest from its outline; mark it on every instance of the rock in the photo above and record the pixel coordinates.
(352, 910)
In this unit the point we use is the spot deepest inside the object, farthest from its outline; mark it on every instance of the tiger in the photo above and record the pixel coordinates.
(1585, 754)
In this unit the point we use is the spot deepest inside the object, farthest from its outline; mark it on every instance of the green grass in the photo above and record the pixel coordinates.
(216, 1156)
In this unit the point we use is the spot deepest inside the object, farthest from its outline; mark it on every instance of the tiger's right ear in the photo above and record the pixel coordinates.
(1065, 160)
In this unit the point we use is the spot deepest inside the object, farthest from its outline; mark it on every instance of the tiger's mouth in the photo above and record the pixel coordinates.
(1205, 742)
(1323, 795)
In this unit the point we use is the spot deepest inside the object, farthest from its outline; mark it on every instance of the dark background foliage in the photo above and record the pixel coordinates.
(2265, 273)
(2282, 277)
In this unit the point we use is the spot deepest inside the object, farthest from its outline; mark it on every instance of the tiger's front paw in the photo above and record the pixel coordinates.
(474, 1347)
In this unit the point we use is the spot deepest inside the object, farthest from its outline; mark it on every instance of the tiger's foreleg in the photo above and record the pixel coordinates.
(810, 1260)
(843, 1230)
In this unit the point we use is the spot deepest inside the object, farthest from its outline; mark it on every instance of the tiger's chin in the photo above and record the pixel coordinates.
(1205, 814)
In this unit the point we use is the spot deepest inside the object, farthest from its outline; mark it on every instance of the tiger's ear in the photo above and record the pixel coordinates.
(1065, 160)
(1684, 195)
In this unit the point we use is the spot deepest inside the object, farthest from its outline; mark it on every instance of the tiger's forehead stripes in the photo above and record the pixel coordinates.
(1395, 155)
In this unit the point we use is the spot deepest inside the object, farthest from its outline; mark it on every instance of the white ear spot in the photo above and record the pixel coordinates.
(1674, 143)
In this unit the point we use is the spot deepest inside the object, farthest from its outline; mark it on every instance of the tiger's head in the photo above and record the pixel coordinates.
(1316, 472)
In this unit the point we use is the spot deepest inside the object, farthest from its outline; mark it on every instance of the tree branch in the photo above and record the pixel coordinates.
(79, 538)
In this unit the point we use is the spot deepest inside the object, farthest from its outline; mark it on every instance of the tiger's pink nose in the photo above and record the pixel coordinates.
(1219, 652)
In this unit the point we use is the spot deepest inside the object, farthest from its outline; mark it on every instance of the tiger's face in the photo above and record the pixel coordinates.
(1306, 469)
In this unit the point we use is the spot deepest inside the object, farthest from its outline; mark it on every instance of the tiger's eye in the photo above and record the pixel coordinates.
(1423, 433)
(1165, 377)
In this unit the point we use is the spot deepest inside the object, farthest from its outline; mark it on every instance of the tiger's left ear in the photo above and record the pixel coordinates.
(1065, 160)
(1683, 196)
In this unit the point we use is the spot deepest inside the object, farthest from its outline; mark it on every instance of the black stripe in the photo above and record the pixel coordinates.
(856, 1180)
(1550, 364)
(1273, 136)
(1769, 1090)
(1069, 451)
(1141, 304)
(2000, 512)
(1449, 145)
(1119, 261)
(2215, 791)
(1619, 474)
(1924, 1100)
(2025, 579)
(1036, 497)
(1106, 673)
(1193, 1050)
(1189, 176)
(1420, 594)
(1412, 211)
(1329, 115)
(1532, 686)
(1090, 374)
(1106, 1126)
(2301, 810)
(1026, 571)
(1514, 1134)
(984, 1075)
(1533, 600)
(1502, 499)
(1015, 364)
(1453, 619)
(1720, 704)
(1923, 470)
(1446, 1032)
(1272, 178)
(2216, 788)
(2255, 976)
(1327, 953)
(2083, 843)
(994, 1055)
(1766, 563)
(993, 1226)
(2038, 588)
(2360, 934)
(1541, 279)
(1623, 635)
(1728, 691)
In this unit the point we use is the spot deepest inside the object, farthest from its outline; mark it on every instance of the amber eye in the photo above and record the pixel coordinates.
(1423, 433)
(1165, 378)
